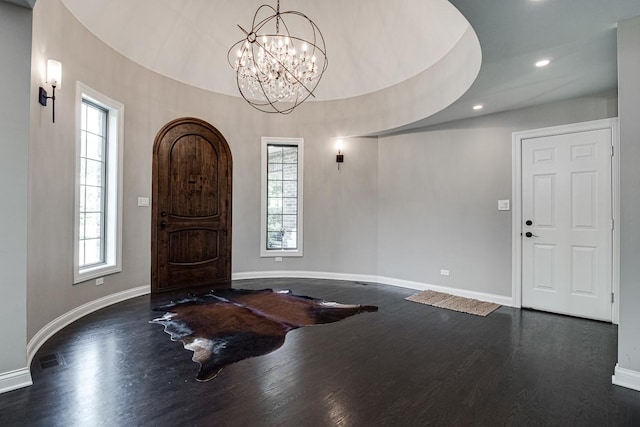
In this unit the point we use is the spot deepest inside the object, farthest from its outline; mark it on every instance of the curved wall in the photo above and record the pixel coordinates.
(340, 208)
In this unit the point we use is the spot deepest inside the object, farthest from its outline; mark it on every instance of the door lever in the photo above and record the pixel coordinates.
(530, 234)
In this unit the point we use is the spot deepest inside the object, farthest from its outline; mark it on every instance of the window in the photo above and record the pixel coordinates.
(98, 188)
(282, 173)
(93, 173)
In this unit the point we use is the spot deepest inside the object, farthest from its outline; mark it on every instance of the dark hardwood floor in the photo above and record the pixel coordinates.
(406, 365)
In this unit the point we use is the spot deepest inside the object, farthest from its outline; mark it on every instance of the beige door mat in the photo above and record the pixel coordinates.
(452, 302)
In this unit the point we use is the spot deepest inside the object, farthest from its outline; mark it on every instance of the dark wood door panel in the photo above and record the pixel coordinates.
(194, 181)
(193, 246)
(211, 274)
(191, 214)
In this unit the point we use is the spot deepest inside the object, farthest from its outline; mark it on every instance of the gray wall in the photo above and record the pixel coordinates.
(439, 190)
(15, 68)
(629, 89)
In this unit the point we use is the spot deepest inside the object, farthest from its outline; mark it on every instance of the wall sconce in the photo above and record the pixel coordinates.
(340, 156)
(54, 78)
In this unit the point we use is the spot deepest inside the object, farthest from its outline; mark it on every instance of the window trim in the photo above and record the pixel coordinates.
(115, 141)
(269, 253)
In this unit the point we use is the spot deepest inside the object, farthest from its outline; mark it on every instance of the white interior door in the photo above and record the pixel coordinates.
(567, 224)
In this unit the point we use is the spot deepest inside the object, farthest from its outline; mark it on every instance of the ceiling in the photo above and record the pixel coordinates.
(373, 45)
(368, 47)
(579, 36)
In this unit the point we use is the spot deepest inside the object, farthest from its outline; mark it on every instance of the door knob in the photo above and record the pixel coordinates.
(163, 213)
(530, 234)
(163, 224)
(529, 222)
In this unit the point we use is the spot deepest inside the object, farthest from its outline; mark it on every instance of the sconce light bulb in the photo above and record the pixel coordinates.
(339, 156)
(54, 73)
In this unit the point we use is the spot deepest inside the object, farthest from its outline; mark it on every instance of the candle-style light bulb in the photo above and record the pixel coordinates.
(339, 156)
(54, 73)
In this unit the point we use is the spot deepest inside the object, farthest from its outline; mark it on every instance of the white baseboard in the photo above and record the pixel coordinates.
(498, 299)
(71, 316)
(303, 275)
(14, 380)
(22, 377)
(57, 324)
(482, 296)
(626, 378)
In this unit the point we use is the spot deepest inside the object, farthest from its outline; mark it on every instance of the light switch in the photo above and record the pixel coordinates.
(503, 205)
(143, 201)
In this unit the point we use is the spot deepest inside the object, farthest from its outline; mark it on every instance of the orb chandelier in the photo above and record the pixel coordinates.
(276, 70)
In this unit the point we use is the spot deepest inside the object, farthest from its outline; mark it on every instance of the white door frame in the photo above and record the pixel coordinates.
(516, 191)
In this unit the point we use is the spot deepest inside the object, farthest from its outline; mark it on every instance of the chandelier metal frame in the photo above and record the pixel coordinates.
(277, 71)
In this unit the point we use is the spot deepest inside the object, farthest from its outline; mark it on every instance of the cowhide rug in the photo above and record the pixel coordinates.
(225, 326)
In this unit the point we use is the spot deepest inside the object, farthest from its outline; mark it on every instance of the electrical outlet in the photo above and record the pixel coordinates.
(99, 281)
(444, 272)
(278, 259)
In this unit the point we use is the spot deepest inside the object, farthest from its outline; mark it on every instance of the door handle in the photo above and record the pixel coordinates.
(163, 224)
(530, 234)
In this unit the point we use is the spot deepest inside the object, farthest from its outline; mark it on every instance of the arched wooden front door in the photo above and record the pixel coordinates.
(191, 208)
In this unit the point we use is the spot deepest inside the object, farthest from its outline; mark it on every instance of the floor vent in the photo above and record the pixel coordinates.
(50, 361)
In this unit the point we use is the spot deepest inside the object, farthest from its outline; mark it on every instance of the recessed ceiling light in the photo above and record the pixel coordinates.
(478, 107)
(543, 63)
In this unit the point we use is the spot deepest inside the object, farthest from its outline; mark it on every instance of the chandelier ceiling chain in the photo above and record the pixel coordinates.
(276, 72)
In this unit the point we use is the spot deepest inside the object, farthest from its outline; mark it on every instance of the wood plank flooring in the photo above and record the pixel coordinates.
(408, 364)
